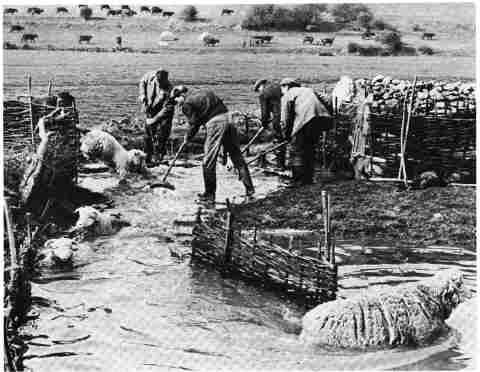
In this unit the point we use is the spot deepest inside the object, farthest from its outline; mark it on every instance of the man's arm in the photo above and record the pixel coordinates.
(193, 121)
(265, 114)
(167, 111)
(142, 94)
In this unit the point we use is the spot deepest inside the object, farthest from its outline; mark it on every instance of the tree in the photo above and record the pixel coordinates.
(346, 13)
(365, 19)
(86, 13)
(189, 13)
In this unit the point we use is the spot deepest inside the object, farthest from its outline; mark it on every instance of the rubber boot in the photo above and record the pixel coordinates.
(210, 182)
(244, 176)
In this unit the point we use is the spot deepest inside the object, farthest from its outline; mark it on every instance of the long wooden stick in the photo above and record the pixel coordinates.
(11, 238)
(407, 126)
(31, 108)
(264, 152)
(173, 162)
(253, 140)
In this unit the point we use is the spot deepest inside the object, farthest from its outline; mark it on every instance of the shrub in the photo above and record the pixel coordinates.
(381, 25)
(86, 13)
(426, 50)
(364, 19)
(189, 13)
(392, 41)
(353, 47)
(346, 13)
(264, 17)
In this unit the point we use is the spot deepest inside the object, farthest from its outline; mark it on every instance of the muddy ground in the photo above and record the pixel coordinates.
(366, 211)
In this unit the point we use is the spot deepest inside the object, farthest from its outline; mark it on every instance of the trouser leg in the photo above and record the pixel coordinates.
(232, 147)
(213, 142)
(163, 134)
(148, 141)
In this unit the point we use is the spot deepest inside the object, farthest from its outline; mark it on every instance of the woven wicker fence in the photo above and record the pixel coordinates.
(311, 280)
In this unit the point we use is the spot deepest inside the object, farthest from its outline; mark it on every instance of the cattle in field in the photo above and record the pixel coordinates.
(308, 40)
(227, 11)
(156, 10)
(368, 35)
(34, 11)
(144, 9)
(128, 12)
(82, 6)
(114, 12)
(62, 9)
(211, 41)
(327, 41)
(85, 39)
(16, 28)
(105, 7)
(29, 37)
(11, 11)
(168, 14)
(428, 35)
(126, 7)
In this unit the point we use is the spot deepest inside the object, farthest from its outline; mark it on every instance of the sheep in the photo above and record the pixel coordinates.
(344, 91)
(97, 144)
(409, 315)
(92, 222)
(57, 252)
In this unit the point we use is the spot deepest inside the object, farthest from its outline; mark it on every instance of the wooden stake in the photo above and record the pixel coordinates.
(11, 238)
(30, 106)
(407, 126)
(290, 243)
(50, 83)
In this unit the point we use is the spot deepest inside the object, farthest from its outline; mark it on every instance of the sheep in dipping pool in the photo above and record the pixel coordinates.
(57, 252)
(408, 315)
(92, 222)
(97, 144)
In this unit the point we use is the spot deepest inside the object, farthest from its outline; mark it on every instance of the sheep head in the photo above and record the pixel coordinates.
(87, 218)
(136, 160)
(449, 287)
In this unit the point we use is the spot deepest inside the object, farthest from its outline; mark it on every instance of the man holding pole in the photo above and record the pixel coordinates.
(304, 117)
(206, 108)
(154, 91)
(270, 97)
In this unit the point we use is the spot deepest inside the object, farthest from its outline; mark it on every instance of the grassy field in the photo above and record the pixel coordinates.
(455, 33)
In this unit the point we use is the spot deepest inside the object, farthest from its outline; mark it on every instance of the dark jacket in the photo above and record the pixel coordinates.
(270, 105)
(201, 107)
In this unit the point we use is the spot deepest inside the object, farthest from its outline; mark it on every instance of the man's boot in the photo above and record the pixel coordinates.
(297, 177)
(244, 176)
(210, 181)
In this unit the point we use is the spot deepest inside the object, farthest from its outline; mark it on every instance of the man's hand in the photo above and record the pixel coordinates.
(178, 90)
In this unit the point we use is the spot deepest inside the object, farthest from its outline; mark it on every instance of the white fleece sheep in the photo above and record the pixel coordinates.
(409, 314)
(97, 144)
(94, 223)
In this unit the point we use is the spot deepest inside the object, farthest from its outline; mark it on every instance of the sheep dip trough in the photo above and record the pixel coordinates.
(299, 274)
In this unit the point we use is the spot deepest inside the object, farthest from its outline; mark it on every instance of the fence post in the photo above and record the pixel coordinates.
(30, 107)
(11, 238)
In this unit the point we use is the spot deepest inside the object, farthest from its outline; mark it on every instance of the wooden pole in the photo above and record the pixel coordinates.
(50, 83)
(11, 238)
(325, 222)
(30, 106)
(290, 243)
(407, 126)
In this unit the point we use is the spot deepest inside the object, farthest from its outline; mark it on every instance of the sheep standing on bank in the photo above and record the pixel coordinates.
(343, 92)
(97, 144)
(408, 315)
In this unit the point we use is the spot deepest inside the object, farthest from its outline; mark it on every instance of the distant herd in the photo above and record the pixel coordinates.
(125, 10)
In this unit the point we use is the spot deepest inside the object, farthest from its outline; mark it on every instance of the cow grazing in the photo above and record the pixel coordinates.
(34, 11)
(81, 6)
(126, 7)
(85, 39)
(11, 11)
(327, 41)
(308, 40)
(428, 35)
(368, 35)
(227, 12)
(144, 9)
(114, 12)
(156, 10)
(128, 12)
(105, 7)
(16, 28)
(168, 14)
(62, 10)
(29, 37)
(211, 41)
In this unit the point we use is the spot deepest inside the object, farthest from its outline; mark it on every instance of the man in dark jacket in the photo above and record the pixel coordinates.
(154, 91)
(305, 117)
(270, 97)
(206, 108)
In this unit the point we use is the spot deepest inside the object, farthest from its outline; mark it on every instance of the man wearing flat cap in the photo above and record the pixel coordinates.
(304, 118)
(270, 97)
(154, 92)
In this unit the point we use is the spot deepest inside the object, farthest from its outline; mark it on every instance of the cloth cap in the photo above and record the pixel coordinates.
(258, 83)
(289, 81)
(162, 74)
